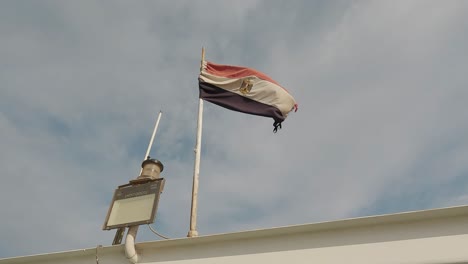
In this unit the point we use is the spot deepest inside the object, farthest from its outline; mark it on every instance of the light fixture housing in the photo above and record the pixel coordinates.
(134, 204)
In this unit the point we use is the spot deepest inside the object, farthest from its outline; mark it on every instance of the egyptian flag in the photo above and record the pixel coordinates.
(245, 90)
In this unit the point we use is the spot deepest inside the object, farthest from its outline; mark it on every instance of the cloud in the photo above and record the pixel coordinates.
(380, 126)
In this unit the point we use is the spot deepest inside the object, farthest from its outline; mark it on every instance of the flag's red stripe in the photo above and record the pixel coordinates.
(229, 71)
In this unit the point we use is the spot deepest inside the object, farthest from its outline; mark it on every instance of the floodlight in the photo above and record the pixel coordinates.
(136, 203)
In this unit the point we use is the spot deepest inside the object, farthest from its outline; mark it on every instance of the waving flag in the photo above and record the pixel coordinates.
(245, 90)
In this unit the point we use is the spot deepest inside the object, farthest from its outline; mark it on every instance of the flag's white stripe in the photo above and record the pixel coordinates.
(262, 91)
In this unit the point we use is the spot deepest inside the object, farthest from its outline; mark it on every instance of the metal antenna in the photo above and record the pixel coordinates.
(152, 136)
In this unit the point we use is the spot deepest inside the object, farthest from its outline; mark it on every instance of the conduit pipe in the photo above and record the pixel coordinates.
(130, 251)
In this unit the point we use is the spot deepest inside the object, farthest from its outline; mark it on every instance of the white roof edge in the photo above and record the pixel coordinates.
(60, 254)
(313, 227)
(402, 217)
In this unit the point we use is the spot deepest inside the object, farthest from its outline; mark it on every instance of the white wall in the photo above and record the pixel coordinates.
(438, 236)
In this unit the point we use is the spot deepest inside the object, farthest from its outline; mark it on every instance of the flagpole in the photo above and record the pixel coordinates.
(196, 170)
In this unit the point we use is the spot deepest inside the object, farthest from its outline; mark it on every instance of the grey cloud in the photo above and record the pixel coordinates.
(381, 88)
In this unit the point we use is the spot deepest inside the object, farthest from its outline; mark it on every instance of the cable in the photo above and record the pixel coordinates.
(156, 233)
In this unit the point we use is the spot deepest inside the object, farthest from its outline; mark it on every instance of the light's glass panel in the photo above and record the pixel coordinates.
(131, 210)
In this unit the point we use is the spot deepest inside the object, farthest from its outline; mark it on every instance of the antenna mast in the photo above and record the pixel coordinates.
(120, 232)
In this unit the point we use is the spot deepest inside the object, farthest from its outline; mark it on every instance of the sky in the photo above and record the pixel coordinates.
(381, 127)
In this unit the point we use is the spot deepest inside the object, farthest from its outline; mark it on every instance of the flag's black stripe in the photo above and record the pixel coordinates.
(235, 102)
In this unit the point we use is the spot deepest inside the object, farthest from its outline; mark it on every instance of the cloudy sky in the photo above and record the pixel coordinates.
(382, 125)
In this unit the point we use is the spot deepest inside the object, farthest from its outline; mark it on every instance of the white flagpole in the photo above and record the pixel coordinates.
(196, 170)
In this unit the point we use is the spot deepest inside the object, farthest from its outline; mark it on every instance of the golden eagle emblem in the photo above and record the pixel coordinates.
(246, 85)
